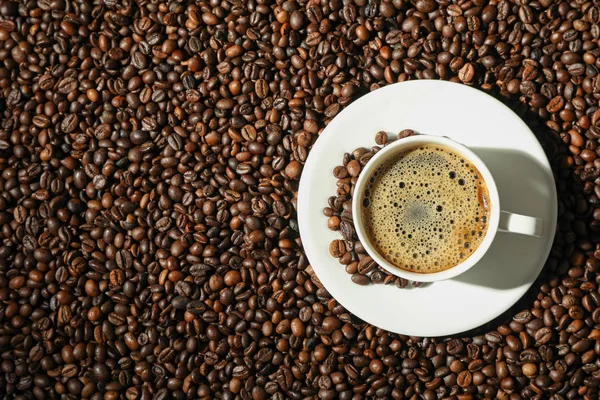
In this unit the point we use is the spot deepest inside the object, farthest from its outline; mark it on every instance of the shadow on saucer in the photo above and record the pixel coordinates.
(522, 185)
(419, 285)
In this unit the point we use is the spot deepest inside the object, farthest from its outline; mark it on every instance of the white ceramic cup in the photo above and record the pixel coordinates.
(499, 220)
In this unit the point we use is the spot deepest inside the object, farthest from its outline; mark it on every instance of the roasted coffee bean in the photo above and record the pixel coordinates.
(381, 138)
(361, 279)
(405, 133)
(337, 248)
(366, 265)
(466, 73)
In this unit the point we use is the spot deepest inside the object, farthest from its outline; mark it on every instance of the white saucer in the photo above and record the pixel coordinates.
(515, 159)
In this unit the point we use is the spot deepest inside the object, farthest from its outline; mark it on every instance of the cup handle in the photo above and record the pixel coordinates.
(523, 224)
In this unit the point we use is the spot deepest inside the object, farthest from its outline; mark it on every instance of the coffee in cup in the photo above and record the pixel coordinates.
(427, 199)
(426, 209)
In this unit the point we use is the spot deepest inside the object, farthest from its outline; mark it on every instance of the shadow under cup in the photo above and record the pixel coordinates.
(393, 150)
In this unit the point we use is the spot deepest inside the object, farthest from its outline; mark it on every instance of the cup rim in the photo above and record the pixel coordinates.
(402, 144)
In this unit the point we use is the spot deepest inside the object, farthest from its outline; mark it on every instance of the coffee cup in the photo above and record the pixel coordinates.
(495, 218)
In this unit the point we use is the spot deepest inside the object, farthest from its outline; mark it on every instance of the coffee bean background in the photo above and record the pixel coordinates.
(150, 155)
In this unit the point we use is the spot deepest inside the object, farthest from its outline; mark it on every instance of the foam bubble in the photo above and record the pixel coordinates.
(426, 222)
